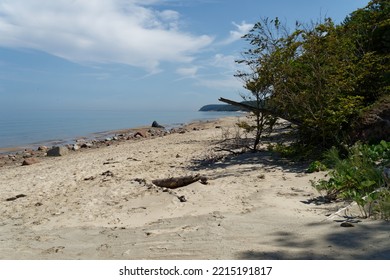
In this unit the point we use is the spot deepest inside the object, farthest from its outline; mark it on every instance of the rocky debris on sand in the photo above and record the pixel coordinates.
(27, 153)
(108, 173)
(57, 151)
(42, 148)
(30, 161)
(179, 130)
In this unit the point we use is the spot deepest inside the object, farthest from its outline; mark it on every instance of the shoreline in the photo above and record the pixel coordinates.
(98, 134)
(101, 203)
(16, 155)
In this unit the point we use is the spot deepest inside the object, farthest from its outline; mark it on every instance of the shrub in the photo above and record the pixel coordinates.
(359, 177)
(316, 166)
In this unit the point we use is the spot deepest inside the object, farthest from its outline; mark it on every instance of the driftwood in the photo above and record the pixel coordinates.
(177, 182)
(254, 109)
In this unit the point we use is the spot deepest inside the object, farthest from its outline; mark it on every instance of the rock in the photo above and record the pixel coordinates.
(346, 224)
(12, 157)
(75, 147)
(86, 145)
(30, 161)
(108, 139)
(57, 151)
(139, 134)
(156, 124)
(27, 155)
(182, 198)
(42, 148)
(204, 181)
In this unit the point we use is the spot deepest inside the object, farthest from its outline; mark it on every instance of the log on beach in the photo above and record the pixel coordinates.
(177, 182)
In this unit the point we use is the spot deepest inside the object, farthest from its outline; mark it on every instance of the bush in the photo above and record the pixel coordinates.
(359, 177)
(316, 166)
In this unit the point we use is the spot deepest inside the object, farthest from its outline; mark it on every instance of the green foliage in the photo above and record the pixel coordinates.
(359, 176)
(383, 207)
(324, 75)
(316, 166)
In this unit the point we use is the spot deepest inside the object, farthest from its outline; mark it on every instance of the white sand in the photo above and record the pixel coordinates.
(238, 215)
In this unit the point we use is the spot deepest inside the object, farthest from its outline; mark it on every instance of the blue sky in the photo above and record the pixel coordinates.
(134, 54)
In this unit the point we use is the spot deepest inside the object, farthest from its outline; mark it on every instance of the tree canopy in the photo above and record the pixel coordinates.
(323, 74)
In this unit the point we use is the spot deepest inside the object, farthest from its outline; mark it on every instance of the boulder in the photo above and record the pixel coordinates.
(86, 145)
(30, 161)
(57, 151)
(157, 125)
(140, 134)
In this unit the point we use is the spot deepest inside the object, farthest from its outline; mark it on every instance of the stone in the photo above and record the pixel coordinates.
(156, 124)
(86, 145)
(42, 148)
(75, 147)
(346, 224)
(30, 161)
(57, 151)
(140, 134)
(27, 155)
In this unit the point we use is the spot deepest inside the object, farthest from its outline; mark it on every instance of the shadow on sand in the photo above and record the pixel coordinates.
(364, 242)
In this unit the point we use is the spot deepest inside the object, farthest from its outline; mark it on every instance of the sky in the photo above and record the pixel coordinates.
(134, 54)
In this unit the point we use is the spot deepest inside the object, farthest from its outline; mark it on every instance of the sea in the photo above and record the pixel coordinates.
(30, 129)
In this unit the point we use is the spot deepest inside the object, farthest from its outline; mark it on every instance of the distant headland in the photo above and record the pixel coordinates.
(221, 108)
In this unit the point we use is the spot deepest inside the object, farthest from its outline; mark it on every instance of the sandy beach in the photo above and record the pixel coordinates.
(101, 204)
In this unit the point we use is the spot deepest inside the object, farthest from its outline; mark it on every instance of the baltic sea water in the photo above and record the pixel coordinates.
(31, 128)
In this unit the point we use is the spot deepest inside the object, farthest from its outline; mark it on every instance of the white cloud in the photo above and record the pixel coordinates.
(241, 30)
(188, 71)
(224, 61)
(95, 31)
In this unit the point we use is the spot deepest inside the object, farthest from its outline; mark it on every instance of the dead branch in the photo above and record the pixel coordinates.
(255, 110)
(177, 182)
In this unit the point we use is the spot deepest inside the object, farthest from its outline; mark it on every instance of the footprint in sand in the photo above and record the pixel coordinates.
(54, 250)
(103, 247)
(178, 230)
